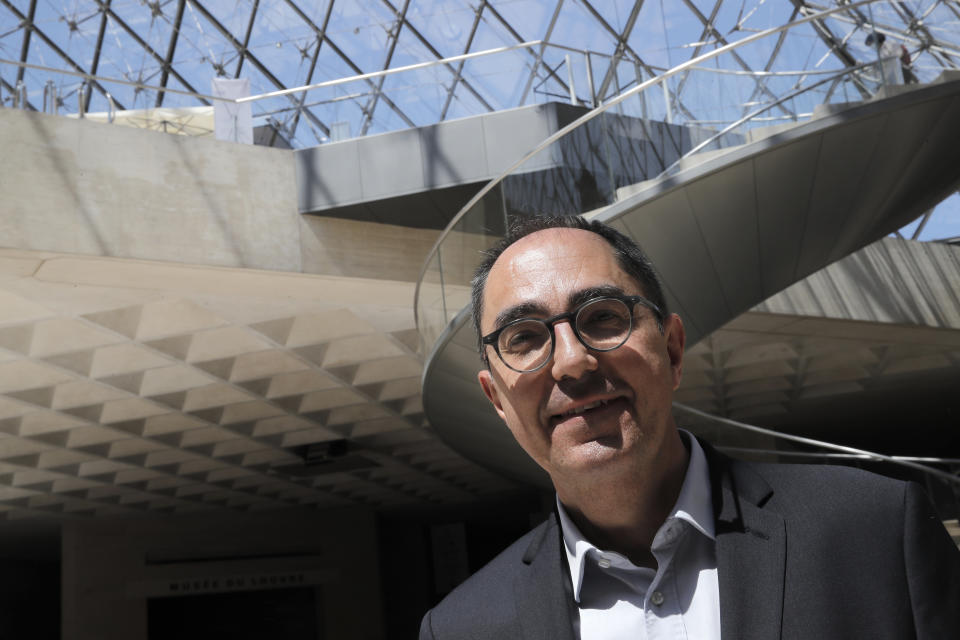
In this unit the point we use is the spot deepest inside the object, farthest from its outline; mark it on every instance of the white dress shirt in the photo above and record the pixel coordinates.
(681, 599)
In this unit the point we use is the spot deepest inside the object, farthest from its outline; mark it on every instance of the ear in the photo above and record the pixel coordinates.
(676, 338)
(490, 390)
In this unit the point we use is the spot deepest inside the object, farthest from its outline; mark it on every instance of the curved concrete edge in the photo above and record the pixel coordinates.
(710, 284)
(462, 416)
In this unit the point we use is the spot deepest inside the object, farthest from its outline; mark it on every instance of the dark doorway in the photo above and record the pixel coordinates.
(283, 614)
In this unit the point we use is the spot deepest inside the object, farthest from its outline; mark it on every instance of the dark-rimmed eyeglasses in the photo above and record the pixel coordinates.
(601, 324)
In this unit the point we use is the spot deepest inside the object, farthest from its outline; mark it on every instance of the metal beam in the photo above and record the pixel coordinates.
(538, 59)
(105, 6)
(27, 24)
(703, 36)
(96, 53)
(253, 59)
(343, 56)
(934, 44)
(621, 45)
(914, 25)
(292, 130)
(11, 90)
(781, 38)
(246, 38)
(394, 38)
(478, 14)
(171, 48)
(513, 32)
(439, 56)
(736, 56)
(56, 49)
(609, 29)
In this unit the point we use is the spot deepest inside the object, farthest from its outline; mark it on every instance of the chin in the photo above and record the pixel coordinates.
(596, 455)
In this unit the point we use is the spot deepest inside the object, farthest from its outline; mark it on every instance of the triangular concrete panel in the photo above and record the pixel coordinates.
(79, 361)
(45, 486)
(133, 427)
(409, 338)
(101, 449)
(245, 428)
(124, 321)
(213, 415)
(373, 390)
(220, 368)
(91, 412)
(11, 425)
(315, 353)
(68, 470)
(17, 338)
(32, 460)
(276, 330)
(136, 459)
(258, 387)
(347, 373)
(55, 438)
(290, 403)
(131, 382)
(41, 396)
(169, 439)
(175, 400)
(169, 468)
(174, 346)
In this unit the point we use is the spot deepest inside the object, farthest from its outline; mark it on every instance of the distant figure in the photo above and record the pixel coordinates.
(889, 54)
(905, 68)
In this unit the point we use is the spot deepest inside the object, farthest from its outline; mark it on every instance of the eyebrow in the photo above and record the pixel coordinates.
(534, 309)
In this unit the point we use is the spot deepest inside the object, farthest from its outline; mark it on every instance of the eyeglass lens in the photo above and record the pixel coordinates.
(602, 324)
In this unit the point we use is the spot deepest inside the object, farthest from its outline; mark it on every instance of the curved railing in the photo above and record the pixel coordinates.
(662, 123)
(658, 126)
(940, 476)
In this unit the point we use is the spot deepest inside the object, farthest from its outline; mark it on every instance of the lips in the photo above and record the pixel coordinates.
(582, 408)
(586, 407)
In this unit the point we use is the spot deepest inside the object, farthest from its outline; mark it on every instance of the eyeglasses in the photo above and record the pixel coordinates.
(601, 324)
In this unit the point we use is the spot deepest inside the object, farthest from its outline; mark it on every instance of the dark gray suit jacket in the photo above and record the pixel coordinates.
(803, 552)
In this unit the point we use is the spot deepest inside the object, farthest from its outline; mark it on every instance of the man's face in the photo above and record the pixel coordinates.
(585, 411)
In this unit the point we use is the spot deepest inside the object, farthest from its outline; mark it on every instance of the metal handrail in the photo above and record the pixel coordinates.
(308, 87)
(753, 114)
(388, 72)
(897, 460)
(587, 117)
(831, 456)
(129, 83)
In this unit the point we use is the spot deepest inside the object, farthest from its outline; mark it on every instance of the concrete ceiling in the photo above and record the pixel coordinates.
(130, 386)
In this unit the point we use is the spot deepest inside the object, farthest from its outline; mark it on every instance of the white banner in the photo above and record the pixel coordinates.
(232, 122)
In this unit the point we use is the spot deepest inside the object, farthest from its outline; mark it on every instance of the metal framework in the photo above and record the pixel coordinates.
(187, 42)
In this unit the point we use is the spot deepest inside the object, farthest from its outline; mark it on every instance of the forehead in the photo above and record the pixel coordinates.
(546, 267)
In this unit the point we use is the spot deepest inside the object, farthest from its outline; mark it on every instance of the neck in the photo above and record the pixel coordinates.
(623, 512)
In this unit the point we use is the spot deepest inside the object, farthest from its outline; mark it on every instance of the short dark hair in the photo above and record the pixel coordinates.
(630, 257)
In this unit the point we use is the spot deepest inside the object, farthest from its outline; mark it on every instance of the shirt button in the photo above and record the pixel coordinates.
(656, 598)
(604, 563)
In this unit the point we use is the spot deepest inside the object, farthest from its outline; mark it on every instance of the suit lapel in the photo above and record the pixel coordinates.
(751, 552)
(542, 590)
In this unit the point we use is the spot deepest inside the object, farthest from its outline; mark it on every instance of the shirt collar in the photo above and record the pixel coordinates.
(693, 506)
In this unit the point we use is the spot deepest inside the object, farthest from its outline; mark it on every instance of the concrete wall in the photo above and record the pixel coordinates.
(112, 567)
(82, 187)
(75, 186)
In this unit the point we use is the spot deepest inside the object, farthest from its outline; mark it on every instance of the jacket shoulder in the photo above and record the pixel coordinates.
(483, 606)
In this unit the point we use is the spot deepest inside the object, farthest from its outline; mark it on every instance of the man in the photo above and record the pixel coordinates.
(889, 55)
(655, 534)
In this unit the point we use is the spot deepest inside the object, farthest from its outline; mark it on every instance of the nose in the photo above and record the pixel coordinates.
(571, 358)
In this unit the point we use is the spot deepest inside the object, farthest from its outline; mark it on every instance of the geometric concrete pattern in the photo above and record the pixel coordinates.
(761, 365)
(129, 386)
(887, 316)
